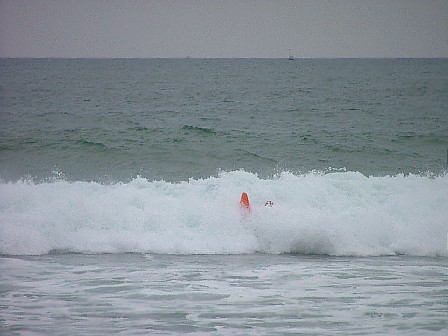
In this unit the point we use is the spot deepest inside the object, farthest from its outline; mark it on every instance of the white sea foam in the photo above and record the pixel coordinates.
(342, 213)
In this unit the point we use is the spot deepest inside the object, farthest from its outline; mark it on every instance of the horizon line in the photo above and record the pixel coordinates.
(223, 58)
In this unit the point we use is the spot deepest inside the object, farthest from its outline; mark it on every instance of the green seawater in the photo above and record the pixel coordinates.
(114, 119)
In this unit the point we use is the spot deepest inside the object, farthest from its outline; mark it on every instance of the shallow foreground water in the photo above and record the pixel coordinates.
(257, 294)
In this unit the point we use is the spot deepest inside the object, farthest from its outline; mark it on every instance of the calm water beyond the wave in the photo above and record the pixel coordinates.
(120, 183)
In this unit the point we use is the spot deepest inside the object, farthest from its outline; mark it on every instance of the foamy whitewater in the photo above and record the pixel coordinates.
(120, 186)
(340, 213)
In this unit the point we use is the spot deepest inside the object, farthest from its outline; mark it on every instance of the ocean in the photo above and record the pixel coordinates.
(120, 182)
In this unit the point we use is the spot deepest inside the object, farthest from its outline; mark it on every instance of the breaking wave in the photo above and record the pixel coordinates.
(339, 213)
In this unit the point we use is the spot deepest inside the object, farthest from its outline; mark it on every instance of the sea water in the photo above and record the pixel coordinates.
(120, 183)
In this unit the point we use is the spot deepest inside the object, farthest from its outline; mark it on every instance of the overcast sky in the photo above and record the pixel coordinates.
(244, 28)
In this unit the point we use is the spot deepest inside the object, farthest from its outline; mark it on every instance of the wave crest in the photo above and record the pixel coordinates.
(342, 213)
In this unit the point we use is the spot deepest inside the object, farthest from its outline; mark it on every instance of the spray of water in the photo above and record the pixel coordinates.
(342, 213)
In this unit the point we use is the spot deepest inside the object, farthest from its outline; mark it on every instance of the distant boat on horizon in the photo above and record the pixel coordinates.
(291, 57)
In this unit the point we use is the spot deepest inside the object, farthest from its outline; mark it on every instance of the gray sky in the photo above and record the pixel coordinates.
(196, 28)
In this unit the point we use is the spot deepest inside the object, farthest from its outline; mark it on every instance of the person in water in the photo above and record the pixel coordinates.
(244, 201)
